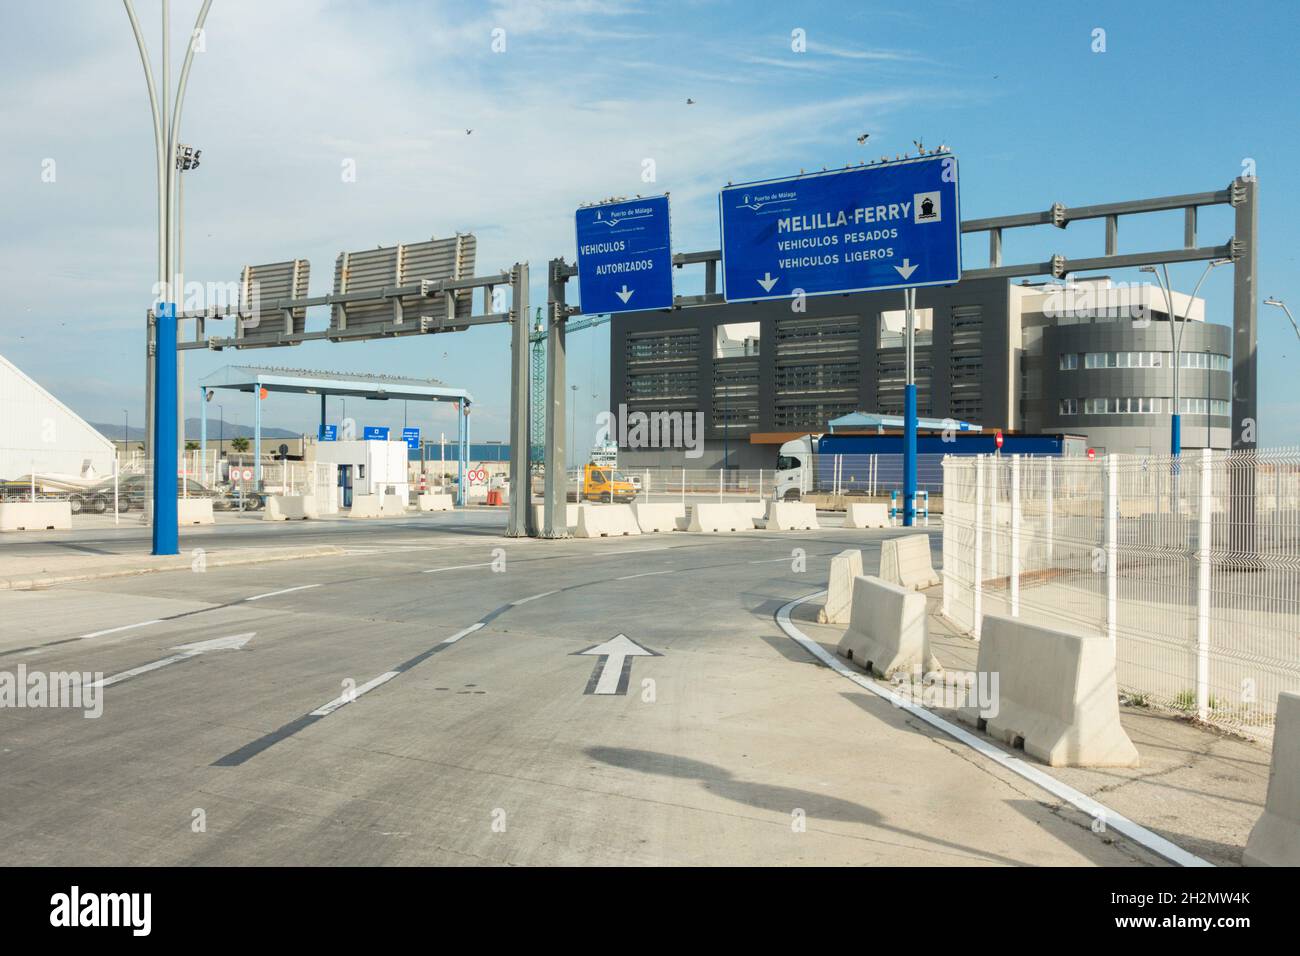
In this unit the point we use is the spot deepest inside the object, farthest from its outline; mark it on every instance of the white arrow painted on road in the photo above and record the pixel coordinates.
(625, 294)
(906, 269)
(767, 281)
(615, 665)
(233, 643)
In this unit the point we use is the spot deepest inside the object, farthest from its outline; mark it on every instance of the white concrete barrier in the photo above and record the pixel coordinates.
(194, 511)
(35, 516)
(1055, 694)
(716, 517)
(604, 521)
(845, 566)
(570, 516)
(866, 514)
(289, 507)
(393, 505)
(652, 518)
(365, 506)
(431, 502)
(756, 509)
(906, 562)
(791, 516)
(1275, 840)
(887, 632)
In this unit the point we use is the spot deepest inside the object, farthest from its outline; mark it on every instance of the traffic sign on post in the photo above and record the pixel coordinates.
(888, 226)
(625, 256)
(375, 433)
(412, 438)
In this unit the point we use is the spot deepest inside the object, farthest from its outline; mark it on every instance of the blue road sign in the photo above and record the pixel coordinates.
(329, 433)
(891, 226)
(375, 433)
(625, 256)
(412, 438)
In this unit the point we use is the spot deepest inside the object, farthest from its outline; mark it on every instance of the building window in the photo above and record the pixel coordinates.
(893, 327)
(1069, 361)
(1210, 360)
(1068, 406)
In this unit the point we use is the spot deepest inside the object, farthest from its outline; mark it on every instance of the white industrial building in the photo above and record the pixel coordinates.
(39, 433)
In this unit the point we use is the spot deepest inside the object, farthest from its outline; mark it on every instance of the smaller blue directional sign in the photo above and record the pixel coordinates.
(889, 226)
(375, 433)
(329, 433)
(625, 256)
(412, 438)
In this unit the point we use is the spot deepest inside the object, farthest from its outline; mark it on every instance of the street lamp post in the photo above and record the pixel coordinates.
(187, 158)
(1176, 341)
(1271, 300)
(166, 129)
(573, 407)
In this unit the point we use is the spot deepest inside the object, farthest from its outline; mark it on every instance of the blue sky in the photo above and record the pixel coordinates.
(1184, 94)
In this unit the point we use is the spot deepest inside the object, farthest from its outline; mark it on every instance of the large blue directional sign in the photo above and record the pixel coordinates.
(889, 226)
(375, 433)
(412, 438)
(625, 256)
(328, 433)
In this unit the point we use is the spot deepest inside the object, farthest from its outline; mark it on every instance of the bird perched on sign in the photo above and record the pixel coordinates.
(864, 137)
(920, 149)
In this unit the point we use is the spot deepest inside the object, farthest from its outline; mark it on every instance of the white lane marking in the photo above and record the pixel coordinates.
(465, 633)
(562, 557)
(347, 698)
(232, 643)
(114, 630)
(533, 598)
(769, 560)
(301, 587)
(1114, 820)
(647, 574)
(613, 653)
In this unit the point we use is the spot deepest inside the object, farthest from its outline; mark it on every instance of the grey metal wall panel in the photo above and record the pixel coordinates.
(374, 270)
(260, 321)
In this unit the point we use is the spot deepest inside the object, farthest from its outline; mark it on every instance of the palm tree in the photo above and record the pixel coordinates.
(239, 444)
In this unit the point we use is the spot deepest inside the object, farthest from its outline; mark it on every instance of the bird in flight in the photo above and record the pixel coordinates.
(863, 138)
(689, 101)
(468, 131)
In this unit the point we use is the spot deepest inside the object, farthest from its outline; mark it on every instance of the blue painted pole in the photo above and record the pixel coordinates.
(166, 539)
(909, 455)
(460, 454)
(1176, 435)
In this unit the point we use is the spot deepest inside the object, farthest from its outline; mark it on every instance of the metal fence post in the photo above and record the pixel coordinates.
(1112, 547)
(1015, 536)
(977, 599)
(1049, 523)
(1203, 587)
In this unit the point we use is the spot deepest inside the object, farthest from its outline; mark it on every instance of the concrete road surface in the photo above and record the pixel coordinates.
(439, 694)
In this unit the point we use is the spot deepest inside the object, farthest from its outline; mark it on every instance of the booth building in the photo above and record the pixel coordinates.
(1034, 358)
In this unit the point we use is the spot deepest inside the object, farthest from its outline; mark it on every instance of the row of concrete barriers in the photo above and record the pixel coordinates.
(1054, 693)
(57, 515)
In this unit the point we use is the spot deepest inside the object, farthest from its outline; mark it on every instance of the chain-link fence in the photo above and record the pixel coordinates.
(1190, 565)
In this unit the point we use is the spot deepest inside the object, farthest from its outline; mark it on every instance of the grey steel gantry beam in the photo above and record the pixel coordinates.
(554, 511)
(521, 521)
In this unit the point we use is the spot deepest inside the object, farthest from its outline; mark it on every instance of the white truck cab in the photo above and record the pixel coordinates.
(794, 469)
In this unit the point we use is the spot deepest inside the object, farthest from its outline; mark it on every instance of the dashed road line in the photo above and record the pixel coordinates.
(301, 587)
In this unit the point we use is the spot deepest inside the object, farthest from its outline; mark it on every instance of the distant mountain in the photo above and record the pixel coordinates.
(193, 428)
